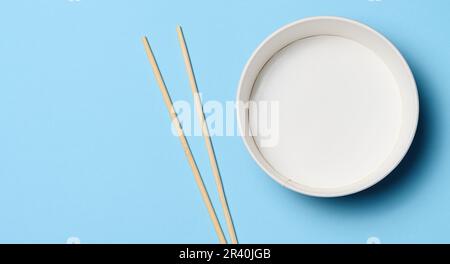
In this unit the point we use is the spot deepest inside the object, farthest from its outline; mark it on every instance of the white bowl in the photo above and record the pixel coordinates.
(347, 106)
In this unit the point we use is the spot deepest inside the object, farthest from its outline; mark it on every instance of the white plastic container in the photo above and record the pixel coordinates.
(346, 106)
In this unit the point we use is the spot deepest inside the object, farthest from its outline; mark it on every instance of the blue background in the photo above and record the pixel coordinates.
(85, 143)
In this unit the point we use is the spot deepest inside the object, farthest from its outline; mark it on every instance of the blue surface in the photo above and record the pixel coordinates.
(85, 143)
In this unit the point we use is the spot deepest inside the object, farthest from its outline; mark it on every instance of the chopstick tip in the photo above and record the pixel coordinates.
(144, 40)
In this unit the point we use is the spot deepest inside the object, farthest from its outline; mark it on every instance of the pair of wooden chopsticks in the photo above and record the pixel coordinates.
(185, 144)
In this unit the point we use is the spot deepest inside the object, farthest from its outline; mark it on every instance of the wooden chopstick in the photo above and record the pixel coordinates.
(206, 136)
(184, 143)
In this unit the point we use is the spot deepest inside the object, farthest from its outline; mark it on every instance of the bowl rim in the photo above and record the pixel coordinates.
(365, 182)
